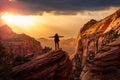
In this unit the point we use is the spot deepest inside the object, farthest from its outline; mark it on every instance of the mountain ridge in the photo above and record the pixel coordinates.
(97, 54)
(108, 23)
(20, 44)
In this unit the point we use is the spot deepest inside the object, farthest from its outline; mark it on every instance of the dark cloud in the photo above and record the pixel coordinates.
(61, 6)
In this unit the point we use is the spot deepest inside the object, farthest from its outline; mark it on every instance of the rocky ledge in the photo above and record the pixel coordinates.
(51, 66)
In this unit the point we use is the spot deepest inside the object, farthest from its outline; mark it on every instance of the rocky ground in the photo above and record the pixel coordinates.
(50, 66)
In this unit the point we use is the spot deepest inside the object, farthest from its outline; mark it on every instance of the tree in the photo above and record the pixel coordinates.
(46, 49)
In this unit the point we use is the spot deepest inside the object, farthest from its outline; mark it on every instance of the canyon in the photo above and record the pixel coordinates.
(19, 44)
(97, 56)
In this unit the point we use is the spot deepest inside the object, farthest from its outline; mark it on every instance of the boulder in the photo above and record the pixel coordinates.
(51, 66)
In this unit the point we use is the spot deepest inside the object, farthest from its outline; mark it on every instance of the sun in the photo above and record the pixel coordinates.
(12, 0)
(17, 20)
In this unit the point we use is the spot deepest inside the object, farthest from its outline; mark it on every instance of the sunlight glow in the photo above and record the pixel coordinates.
(11, 0)
(17, 20)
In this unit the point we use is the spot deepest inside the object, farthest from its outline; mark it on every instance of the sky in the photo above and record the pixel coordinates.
(43, 18)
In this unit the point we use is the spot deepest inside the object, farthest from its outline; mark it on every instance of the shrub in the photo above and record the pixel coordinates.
(46, 49)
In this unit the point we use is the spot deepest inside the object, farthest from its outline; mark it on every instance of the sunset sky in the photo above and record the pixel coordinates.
(43, 18)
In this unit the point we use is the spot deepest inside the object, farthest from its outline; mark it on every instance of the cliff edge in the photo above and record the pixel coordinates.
(51, 66)
(98, 50)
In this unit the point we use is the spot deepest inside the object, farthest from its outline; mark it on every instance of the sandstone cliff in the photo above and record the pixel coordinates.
(51, 66)
(97, 55)
(105, 65)
(102, 26)
(19, 44)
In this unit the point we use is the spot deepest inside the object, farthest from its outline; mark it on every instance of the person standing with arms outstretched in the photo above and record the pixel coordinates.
(56, 40)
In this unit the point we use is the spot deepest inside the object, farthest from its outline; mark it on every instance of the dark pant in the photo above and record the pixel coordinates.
(56, 45)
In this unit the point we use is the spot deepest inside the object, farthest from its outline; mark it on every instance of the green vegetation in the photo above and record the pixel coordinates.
(110, 37)
(46, 49)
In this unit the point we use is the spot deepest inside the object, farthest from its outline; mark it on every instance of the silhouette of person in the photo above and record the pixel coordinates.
(56, 40)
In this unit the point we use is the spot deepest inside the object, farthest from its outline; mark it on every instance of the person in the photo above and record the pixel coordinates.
(56, 40)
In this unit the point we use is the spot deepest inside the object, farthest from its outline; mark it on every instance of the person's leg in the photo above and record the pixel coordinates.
(58, 45)
(55, 46)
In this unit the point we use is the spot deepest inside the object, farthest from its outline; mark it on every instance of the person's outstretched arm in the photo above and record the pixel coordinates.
(61, 36)
(51, 36)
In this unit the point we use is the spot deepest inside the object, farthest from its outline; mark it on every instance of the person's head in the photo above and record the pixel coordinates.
(56, 34)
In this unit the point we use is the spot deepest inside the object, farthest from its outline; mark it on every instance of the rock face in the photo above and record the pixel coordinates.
(102, 26)
(51, 66)
(106, 64)
(19, 44)
(97, 55)
(88, 25)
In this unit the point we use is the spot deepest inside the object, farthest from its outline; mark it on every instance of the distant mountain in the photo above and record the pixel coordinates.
(66, 44)
(20, 44)
(98, 50)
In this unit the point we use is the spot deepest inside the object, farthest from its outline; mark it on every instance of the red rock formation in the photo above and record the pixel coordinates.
(88, 25)
(52, 66)
(98, 55)
(103, 25)
(6, 32)
(19, 44)
(105, 66)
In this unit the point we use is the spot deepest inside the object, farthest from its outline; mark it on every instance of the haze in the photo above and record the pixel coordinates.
(41, 22)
